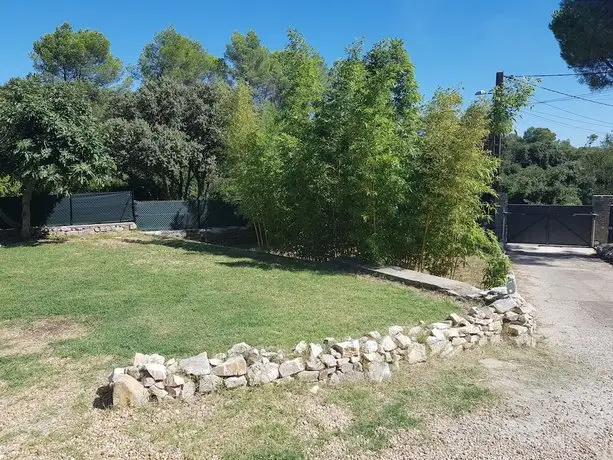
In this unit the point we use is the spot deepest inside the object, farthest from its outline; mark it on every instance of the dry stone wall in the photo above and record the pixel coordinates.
(67, 230)
(373, 356)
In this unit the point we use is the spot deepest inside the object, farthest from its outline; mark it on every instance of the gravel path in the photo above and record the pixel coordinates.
(564, 410)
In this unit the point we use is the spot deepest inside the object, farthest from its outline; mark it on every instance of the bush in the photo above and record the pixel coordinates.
(498, 263)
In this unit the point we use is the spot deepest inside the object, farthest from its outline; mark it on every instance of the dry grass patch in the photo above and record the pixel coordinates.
(37, 337)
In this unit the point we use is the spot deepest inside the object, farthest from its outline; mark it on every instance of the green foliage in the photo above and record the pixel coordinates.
(8, 186)
(82, 55)
(166, 138)
(509, 97)
(584, 30)
(50, 141)
(174, 56)
(498, 263)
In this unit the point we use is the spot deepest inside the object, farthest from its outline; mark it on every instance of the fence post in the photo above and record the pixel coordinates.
(133, 206)
(70, 203)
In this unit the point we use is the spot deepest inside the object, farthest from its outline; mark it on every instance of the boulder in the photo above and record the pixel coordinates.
(328, 360)
(314, 365)
(235, 382)
(402, 341)
(417, 353)
(395, 330)
(215, 361)
(209, 383)
(156, 359)
(188, 390)
(348, 348)
(309, 376)
(133, 371)
(231, 367)
(378, 372)
(452, 332)
(157, 371)
(315, 351)
(140, 359)
(239, 349)
(375, 335)
(370, 346)
(148, 382)
(128, 392)
(373, 357)
(301, 348)
(262, 372)
(387, 344)
(174, 380)
(196, 365)
(503, 305)
(291, 367)
(116, 374)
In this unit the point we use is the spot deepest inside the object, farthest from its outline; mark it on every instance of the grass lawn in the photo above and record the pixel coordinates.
(115, 295)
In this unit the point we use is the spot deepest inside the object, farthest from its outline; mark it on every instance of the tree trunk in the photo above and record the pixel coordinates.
(26, 216)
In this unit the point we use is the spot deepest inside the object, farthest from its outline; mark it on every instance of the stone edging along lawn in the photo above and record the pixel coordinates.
(372, 357)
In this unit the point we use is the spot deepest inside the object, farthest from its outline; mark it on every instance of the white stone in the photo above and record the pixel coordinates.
(209, 383)
(395, 330)
(189, 389)
(239, 349)
(301, 348)
(309, 376)
(235, 382)
(503, 305)
(174, 380)
(231, 367)
(196, 365)
(261, 373)
(116, 374)
(128, 392)
(291, 367)
(157, 371)
(402, 341)
(348, 348)
(417, 353)
(376, 335)
(315, 351)
(378, 372)
(387, 344)
(370, 346)
(328, 360)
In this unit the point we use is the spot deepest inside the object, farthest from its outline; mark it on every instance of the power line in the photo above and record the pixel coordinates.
(575, 74)
(563, 124)
(607, 125)
(575, 97)
(568, 111)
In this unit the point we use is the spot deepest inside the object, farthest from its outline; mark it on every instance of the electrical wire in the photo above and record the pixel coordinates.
(563, 124)
(570, 112)
(575, 74)
(575, 97)
(576, 120)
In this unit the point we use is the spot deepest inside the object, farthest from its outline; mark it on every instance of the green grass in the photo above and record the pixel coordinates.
(148, 294)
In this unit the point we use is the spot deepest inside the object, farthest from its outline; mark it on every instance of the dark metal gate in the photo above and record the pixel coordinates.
(549, 224)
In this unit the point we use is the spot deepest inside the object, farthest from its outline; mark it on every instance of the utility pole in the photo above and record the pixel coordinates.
(501, 209)
(497, 137)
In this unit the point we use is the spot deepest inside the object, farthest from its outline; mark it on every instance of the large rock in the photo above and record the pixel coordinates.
(239, 349)
(378, 372)
(503, 305)
(395, 330)
(196, 365)
(156, 371)
(235, 382)
(315, 351)
(262, 372)
(188, 390)
(117, 373)
(174, 380)
(291, 367)
(232, 367)
(417, 353)
(328, 360)
(209, 383)
(348, 348)
(128, 392)
(301, 348)
(387, 344)
(402, 341)
(370, 346)
(309, 376)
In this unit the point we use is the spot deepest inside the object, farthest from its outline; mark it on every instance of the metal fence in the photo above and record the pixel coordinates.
(110, 207)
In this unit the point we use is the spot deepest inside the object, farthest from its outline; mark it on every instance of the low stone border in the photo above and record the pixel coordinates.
(372, 357)
(66, 230)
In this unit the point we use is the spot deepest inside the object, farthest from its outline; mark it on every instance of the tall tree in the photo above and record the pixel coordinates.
(584, 30)
(175, 56)
(81, 55)
(166, 138)
(49, 140)
(254, 63)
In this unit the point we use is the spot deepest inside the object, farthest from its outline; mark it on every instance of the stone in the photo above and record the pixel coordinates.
(158, 393)
(402, 341)
(148, 382)
(342, 361)
(172, 366)
(239, 349)
(116, 374)
(128, 392)
(159, 385)
(515, 330)
(235, 382)
(325, 373)
(457, 341)
(348, 367)
(348, 348)
(387, 344)
(157, 371)
(261, 373)
(511, 316)
(221, 356)
(524, 309)
(448, 350)
(417, 353)
(472, 338)
(370, 346)
(335, 354)
(442, 325)
(376, 335)
(196, 365)
(209, 383)
(438, 333)
(174, 380)
(373, 357)
(301, 348)
(415, 332)
(388, 357)
(334, 379)
(314, 389)
(315, 351)
(503, 305)
(395, 330)
(358, 367)
(140, 359)
(470, 329)
(215, 362)
(452, 333)
(133, 371)
(457, 320)
(156, 359)
(309, 376)
(231, 367)
(188, 391)
(378, 372)
(291, 367)
(328, 360)
(314, 365)
(174, 392)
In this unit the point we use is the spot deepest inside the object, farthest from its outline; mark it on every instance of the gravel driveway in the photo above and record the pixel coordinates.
(561, 405)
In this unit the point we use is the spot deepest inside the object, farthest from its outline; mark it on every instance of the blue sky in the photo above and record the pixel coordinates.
(459, 44)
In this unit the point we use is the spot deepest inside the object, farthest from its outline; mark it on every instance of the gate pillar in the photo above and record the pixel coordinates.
(601, 205)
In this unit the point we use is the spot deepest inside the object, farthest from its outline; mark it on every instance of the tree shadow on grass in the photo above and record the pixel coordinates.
(250, 258)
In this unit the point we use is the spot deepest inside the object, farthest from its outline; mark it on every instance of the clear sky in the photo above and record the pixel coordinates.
(453, 43)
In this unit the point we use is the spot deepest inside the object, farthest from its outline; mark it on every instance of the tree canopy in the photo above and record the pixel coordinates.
(81, 55)
(49, 139)
(584, 30)
(175, 56)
